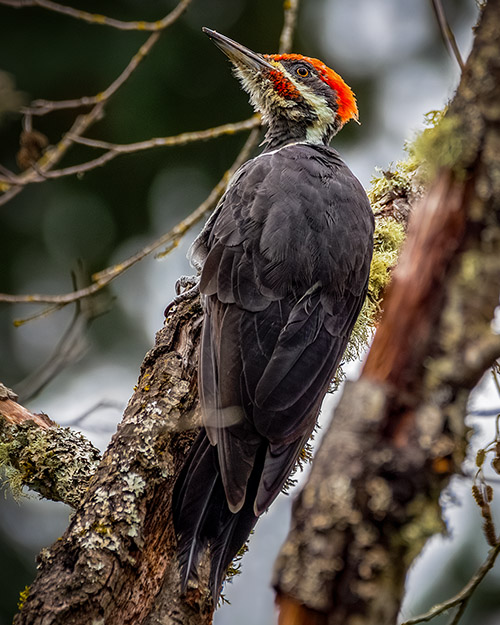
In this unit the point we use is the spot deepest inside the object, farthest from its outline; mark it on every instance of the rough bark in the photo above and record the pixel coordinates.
(53, 461)
(119, 549)
(398, 433)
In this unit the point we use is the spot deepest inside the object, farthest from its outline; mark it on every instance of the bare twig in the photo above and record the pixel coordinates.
(52, 156)
(42, 107)
(463, 596)
(115, 149)
(100, 405)
(447, 33)
(83, 122)
(171, 239)
(181, 139)
(10, 175)
(71, 346)
(291, 8)
(101, 20)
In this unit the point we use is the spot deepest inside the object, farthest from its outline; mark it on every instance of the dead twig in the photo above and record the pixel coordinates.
(83, 122)
(291, 9)
(116, 149)
(460, 599)
(101, 20)
(170, 239)
(447, 33)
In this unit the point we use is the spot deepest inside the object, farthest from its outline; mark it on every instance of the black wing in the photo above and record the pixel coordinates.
(285, 267)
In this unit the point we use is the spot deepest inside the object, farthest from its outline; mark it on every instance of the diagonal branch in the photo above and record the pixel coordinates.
(398, 434)
(170, 238)
(83, 122)
(462, 597)
(101, 20)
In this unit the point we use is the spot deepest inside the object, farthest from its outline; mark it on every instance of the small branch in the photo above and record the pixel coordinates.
(9, 175)
(464, 595)
(83, 122)
(100, 405)
(181, 139)
(71, 346)
(291, 8)
(447, 33)
(51, 157)
(42, 107)
(55, 462)
(101, 20)
(171, 239)
(116, 149)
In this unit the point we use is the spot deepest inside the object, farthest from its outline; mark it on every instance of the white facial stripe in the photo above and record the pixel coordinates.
(325, 115)
(267, 104)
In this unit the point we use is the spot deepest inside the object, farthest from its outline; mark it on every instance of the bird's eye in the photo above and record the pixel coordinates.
(302, 71)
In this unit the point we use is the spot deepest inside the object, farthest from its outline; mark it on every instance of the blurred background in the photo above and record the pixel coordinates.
(392, 55)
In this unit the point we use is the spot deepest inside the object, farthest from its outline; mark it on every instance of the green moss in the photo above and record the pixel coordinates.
(442, 145)
(23, 595)
(56, 462)
(438, 145)
(390, 183)
(388, 239)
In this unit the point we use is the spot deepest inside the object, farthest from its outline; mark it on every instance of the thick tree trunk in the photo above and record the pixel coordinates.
(120, 549)
(398, 434)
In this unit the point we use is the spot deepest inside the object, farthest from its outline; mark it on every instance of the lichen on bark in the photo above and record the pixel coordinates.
(55, 462)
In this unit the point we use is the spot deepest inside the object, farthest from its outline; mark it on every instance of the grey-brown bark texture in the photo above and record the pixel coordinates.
(55, 462)
(119, 549)
(398, 433)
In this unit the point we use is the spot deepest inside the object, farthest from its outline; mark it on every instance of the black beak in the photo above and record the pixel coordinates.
(242, 57)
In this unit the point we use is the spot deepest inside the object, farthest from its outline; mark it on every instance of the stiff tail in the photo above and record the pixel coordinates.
(202, 517)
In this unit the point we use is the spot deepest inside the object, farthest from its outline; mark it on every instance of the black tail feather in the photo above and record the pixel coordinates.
(227, 544)
(191, 500)
(202, 516)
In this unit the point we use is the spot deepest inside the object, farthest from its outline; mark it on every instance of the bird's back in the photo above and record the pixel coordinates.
(285, 261)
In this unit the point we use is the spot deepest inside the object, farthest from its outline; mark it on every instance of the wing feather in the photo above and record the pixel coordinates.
(286, 259)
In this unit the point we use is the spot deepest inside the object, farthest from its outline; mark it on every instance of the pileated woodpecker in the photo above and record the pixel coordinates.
(284, 264)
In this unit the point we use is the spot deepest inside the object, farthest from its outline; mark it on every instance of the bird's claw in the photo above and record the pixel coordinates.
(186, 288)
(186, 283)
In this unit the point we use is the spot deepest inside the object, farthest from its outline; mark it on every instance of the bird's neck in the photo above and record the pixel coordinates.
(282, 131)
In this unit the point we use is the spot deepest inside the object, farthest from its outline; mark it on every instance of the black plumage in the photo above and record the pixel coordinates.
(284, 264)
(285, 270)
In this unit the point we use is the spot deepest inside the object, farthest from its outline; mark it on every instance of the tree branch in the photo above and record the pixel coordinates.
(101, 20)
(120, 546)
(291, 8)
(398, 434)
(40, 169)
(53, 461)
(447, 33)
(116, 149)
(170, 238)
(461, 598)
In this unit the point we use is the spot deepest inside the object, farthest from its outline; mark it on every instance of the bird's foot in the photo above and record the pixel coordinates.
(185, 284)
(186, 288)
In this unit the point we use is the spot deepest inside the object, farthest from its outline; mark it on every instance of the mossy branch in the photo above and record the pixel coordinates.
(35, 452)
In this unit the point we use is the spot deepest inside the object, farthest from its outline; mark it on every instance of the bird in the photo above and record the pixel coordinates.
(283, 265)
